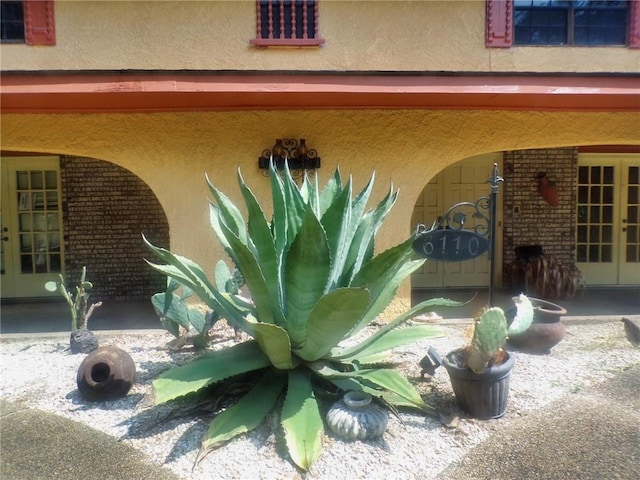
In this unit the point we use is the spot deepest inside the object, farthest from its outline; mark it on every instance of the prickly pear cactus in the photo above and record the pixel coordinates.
(489, 335)
(524, 315)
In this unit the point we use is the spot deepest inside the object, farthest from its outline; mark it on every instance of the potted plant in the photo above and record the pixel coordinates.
(480, 372)
(314, 283)
(82, 340)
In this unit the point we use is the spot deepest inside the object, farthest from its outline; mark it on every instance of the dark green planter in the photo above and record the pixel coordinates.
(483, 395)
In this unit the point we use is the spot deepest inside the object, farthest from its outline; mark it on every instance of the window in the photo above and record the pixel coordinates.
(563, 22)
(29, 21)
(584, 22)
(12, 21)
(287, 23)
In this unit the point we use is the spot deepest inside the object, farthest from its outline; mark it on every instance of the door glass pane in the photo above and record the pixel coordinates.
(632, 222)
(36, 181)
(594, 239)
(39, 221)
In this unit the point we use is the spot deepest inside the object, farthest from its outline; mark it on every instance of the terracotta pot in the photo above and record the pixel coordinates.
(106, 374)
(356, 417)
(547, 190)
(482, 395)
(546, 331)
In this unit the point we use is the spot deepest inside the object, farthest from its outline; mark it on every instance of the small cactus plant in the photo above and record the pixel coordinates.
(78, 304)
(491, 332)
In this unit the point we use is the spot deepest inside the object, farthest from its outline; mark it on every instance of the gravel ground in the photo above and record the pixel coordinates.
(41, 373)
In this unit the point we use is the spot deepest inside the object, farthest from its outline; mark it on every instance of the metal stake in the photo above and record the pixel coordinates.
(494, 180)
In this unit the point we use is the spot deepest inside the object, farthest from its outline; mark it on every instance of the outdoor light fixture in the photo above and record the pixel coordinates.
(296, 154)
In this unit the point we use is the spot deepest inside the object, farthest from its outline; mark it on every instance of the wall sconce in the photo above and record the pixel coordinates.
(296, 154)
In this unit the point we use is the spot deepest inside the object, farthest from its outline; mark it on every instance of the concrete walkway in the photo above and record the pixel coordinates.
(594, 435)
(41, 446)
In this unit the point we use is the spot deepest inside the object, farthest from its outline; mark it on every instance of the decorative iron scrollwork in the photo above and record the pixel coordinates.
(296, 154)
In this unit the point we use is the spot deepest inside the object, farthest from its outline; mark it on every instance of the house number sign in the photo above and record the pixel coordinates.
(450, 245)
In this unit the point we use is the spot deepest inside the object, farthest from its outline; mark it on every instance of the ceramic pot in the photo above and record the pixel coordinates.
(356, 417)
(547, 189)
(482, 395)
(546, 330)
(83, 341)
(106, 374)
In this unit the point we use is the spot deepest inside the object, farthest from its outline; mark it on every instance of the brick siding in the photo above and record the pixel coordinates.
(538, 223)
(105, 210)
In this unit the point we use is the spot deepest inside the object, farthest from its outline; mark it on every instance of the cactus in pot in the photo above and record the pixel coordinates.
(491, 332)
(480, 372)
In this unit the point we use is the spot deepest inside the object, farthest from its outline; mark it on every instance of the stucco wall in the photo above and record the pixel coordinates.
(171, 152)
(360, 35)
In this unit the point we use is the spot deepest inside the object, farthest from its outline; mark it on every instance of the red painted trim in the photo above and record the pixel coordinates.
(609, 149)
(499, 23)
(39, 22)
(287, 42)
(73, 93)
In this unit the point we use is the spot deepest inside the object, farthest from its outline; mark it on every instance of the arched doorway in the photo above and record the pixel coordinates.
(60, 213)
(463, 181)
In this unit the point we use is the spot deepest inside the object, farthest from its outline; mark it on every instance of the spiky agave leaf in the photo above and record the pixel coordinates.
(245, 415)
(307, 267)
(301, 420)
(381, 379)
(209, 369)
(333, 316)
(349, 353)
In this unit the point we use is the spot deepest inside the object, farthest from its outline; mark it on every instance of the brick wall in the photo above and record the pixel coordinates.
(528, 219)
(105, 209)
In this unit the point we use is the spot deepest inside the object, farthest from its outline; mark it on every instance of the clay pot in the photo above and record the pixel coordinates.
(83, 341)
(482, 395)
(547, 189)
(106, 374)
(356, 417)
(546, 330)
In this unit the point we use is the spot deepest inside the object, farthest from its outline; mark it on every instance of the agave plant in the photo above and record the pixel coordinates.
(315, 284)
(187, 322)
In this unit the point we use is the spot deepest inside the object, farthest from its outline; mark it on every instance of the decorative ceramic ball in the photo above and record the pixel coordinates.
(357, 417)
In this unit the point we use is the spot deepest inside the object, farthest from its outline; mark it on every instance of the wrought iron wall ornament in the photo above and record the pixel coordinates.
(292, 152)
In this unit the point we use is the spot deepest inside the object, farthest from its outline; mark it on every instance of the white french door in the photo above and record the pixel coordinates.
(608, 219)
(32, 241)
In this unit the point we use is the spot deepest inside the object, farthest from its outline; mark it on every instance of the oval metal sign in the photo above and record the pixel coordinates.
(450, 245)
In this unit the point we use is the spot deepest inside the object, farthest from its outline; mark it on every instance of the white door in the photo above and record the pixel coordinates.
(31, 226)
(466, 181)
(608, 219)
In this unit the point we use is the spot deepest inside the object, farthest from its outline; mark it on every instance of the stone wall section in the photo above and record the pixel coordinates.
(106, 208)
(528, 218)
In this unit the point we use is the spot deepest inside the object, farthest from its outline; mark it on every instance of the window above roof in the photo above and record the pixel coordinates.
(287, 23)
(31, 22)
(591, 23)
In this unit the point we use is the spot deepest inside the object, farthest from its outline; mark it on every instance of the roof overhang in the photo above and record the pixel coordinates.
(134, 92)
